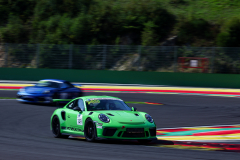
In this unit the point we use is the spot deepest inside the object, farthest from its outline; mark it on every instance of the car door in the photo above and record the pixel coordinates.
(74, 124)
(68, 91)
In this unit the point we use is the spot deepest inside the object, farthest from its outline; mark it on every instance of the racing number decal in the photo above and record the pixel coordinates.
(79, 119)
(93, 101)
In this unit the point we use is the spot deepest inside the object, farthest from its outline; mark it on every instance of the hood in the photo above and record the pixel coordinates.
(124, 117)
(37, 90)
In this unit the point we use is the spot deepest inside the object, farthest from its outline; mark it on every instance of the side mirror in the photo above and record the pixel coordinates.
(77, 109)
(134, 109)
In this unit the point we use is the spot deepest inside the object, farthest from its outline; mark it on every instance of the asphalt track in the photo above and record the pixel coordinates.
(25, 133)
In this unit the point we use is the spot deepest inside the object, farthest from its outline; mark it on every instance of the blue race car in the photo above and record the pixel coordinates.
(47, 89)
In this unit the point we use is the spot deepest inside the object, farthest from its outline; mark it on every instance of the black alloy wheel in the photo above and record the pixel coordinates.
(56, 128)
(89, 130)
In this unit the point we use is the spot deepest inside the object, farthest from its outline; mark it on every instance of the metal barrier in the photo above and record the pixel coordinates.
(117, 57)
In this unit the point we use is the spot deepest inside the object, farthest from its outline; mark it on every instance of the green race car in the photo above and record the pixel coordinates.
(102, 117)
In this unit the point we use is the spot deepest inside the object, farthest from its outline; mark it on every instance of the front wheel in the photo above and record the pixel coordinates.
(90, 130)
(56, 128)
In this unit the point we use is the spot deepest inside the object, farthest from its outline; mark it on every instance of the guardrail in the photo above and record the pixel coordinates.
(121, 57)
(124, 77)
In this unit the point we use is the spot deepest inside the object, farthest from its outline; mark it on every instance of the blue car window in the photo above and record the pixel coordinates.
(106, 104)
(71, 105)
(81, 105)
(48, 84)
(67, 85)
(54, 85)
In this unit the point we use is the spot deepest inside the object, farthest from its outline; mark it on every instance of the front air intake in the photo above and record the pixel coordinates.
(152, 131)
(109, 131)
(63, 114)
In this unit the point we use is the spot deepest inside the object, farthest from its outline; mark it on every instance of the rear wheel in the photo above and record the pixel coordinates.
(56, 128)
(89, 130)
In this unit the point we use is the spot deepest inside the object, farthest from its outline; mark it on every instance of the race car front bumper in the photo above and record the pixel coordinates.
(136, 132)
(41, 98)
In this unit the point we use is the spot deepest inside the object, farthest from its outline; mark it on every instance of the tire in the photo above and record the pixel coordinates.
(144, 141)
(89, 130)
(56, 128)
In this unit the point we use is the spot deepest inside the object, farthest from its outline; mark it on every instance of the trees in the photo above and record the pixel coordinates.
(84, 21)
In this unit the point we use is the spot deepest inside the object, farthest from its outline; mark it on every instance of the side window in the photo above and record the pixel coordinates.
(67, 85)
(54, 85)
(80, 104)
(63, 85)
(71, 105)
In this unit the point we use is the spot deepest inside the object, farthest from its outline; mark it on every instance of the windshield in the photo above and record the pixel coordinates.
(48, 84)
(106, 104)
(67, 85)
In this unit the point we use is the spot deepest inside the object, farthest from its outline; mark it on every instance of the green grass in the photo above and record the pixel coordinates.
(216, 11)
(7, 98)
(132, 102)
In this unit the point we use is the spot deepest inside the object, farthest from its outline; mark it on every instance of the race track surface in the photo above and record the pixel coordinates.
(25, 129)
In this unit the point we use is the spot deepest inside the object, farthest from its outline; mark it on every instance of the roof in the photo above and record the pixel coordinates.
(54, 80)
(93, 96)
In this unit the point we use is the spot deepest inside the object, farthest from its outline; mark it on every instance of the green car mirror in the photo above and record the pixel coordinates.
(134, 109)
(77, 109)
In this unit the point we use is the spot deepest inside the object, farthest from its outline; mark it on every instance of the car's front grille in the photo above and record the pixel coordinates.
(109, 131)
(152, 131)
(134, 132)
(131, 122)
(119, 134)
(126, 134)
(28, 99)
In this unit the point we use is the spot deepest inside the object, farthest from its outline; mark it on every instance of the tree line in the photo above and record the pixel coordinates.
(123, 22)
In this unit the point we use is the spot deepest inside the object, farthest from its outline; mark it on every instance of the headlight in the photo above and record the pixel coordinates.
(149, 118)
(103, 118)
(46, 92)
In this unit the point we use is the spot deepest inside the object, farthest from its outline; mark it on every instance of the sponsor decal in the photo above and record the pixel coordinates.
(104, 99)
(74, 129)
(79, 119)
(100, 127)
(93, 101)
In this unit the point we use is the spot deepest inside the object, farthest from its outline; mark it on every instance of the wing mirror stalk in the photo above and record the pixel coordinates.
(77, 109)
(134, 109)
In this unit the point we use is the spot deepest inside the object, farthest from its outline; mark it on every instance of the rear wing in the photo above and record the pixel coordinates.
(56, 101)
